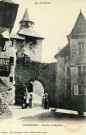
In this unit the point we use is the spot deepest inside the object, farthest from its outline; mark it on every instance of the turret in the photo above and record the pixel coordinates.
(26, 22)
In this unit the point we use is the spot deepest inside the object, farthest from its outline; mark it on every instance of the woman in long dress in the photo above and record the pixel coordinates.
(30, 101)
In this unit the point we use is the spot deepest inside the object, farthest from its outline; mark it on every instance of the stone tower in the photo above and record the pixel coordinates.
(33, 41)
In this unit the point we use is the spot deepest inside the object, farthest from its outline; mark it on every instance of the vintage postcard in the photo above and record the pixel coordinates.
(42, 67)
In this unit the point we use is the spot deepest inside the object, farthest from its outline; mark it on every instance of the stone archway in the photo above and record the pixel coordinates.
(38, 91)
(30, 71)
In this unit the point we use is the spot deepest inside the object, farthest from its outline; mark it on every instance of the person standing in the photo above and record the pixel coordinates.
(30, 101)
(43, 101)
(27, 97)
(46, 104)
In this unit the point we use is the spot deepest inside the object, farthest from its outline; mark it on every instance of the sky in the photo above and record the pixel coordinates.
(53, 20)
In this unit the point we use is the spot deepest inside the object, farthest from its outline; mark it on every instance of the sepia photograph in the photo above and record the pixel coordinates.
(42, 67)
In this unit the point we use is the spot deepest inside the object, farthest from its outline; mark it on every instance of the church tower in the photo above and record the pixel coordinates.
(33, 41)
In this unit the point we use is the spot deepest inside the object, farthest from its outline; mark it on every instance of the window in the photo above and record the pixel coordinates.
(80, 89)
(79, 71)
(23, 23)
(29, 24)
(68, 70)
(3, 45)
(84, 89)
(7, 68)
(81, 48)
(84, 69)
(76, 90)
(11, 79)
(80, 26)
(4, 48)
(12, 42)
(12, 60)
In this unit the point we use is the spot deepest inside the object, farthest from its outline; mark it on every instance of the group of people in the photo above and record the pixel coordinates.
(26, 101)
(45, 101)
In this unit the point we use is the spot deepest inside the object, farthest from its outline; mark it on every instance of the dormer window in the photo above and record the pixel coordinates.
(80, 26)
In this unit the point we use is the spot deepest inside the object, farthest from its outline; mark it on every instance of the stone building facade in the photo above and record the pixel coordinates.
(7, 56)
(71, 67)
(7, 49)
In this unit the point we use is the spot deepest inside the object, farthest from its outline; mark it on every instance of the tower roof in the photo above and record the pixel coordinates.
(29, 32)
(25, 17)
(80, 26)
(27, 29)
(65, 51)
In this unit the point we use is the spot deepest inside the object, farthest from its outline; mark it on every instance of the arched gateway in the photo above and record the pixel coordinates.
(39, 77)
(37, 90)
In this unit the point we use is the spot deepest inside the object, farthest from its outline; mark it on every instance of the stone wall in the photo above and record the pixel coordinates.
(5, 99)
(60, 81)
(34, 51)
(30, 71)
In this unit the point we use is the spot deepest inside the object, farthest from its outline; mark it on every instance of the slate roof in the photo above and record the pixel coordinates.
(29, 32)
(16, 36)
(25, 17)
(80, 26)
(78, 29)
(64, 51)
